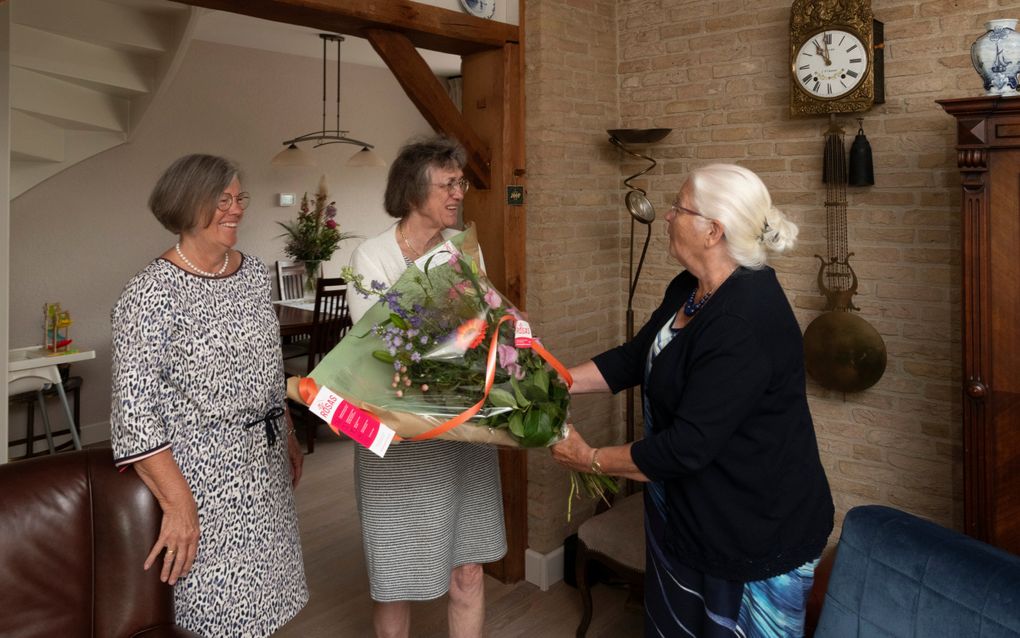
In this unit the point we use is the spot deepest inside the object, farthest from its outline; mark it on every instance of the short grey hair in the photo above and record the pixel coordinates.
(739, 200)
(410, 175)
(186, 194)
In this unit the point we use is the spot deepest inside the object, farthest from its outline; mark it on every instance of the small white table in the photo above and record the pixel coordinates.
(35, 369)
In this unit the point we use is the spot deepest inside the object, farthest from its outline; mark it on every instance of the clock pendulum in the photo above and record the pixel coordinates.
(842, 351)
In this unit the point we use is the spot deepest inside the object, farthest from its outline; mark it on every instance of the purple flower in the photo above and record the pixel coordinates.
(508, 361)
(378, 286)
(492, 298)
(331, 213)
(507, 355)
(392, 299)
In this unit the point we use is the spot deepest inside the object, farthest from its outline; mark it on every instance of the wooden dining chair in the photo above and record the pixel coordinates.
(332, 320)
(290, 276)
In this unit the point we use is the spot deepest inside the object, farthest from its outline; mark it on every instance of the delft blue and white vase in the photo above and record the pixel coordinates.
(996, 56)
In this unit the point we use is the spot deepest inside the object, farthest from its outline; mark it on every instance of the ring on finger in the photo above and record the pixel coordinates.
(170, 552)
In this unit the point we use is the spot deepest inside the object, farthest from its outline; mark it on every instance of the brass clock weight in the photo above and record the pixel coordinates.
(837, 67)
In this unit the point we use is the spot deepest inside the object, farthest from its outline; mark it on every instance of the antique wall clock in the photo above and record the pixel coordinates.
(836, 61)
(835, 67)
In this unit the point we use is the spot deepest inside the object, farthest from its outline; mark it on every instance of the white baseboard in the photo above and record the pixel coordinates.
(543, 570)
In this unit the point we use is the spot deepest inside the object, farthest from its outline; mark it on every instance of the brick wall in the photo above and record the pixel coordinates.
(717, 74)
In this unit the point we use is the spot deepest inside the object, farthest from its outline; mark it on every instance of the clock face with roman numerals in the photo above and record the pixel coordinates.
(830, 64)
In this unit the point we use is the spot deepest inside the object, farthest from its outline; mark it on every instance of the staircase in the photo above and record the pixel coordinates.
(83, 73)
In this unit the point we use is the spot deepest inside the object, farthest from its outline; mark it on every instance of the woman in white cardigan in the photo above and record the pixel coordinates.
(431, 511)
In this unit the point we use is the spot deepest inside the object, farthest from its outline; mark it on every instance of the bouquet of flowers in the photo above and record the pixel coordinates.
(442, 342)
(444, 354)
(314, 236)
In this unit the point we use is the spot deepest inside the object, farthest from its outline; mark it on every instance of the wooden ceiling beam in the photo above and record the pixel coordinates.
(430, 96)
(423, 25)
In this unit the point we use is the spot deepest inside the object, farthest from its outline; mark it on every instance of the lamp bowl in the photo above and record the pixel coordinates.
(639, 135)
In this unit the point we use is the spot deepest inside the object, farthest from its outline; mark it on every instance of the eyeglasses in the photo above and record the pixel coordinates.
(227, 200)
(676, 209)
(451, 185)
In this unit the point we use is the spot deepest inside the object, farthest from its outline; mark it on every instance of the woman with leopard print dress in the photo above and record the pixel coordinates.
(198, 410)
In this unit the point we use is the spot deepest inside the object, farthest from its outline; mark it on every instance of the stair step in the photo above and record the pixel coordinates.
(35, 140)
(66, 103)
(92, 65)
(79, 145)
(144, 27)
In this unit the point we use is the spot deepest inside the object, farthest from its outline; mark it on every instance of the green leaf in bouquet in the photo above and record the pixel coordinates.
(501, 398)
(538, 428)
(536, 386)
(383, 356)
(541, 380)
(398, 321)
(517, 425)
(558, 393)
(521, 399)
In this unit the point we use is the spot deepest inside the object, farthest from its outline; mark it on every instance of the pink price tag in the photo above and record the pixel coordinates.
(522, 334)
(365, 429)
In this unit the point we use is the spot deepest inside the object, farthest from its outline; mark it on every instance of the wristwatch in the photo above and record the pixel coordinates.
(596, 467)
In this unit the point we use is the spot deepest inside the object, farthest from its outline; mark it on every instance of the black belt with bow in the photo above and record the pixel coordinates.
(272, 423)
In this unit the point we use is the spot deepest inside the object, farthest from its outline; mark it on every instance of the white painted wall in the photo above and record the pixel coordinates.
(79, 236)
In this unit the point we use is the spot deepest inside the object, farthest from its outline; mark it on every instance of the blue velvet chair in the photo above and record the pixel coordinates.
(898, 575)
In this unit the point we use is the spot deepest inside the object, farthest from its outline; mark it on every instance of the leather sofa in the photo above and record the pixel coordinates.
(74, 533)
(897, 575)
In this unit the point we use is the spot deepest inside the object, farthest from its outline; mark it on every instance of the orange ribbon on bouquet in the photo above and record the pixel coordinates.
(308, 388)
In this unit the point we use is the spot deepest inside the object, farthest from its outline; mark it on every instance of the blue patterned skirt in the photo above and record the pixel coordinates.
(680, 601)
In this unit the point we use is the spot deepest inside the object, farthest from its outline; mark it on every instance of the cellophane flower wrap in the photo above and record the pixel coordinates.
(439, 344)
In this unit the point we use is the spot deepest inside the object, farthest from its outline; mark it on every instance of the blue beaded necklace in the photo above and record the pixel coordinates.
(691, 307)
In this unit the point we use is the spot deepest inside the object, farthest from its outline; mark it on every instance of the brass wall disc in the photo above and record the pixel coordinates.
(844, 352)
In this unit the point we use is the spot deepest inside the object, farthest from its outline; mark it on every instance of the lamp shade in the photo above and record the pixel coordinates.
(366, 157)
(293, 156)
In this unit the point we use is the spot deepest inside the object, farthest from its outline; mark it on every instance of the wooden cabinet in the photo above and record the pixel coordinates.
(988, 155)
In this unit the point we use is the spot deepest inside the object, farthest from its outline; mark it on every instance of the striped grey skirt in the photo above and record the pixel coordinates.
(427, 507)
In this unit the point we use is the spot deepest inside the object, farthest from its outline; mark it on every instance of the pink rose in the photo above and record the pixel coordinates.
(493, 299)
(455, 263)
(331, 224)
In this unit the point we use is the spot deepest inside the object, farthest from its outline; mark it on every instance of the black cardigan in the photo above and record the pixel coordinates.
(734, 444)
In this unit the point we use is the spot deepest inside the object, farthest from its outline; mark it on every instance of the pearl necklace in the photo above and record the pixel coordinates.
(690, 307)
(223, 268)
(408, 243)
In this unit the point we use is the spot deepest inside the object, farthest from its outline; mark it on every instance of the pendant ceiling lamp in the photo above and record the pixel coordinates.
(293, 155)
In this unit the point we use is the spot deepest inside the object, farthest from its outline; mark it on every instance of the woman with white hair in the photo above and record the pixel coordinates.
(737, 505)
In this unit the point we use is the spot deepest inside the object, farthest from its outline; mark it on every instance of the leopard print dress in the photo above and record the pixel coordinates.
(196, 369)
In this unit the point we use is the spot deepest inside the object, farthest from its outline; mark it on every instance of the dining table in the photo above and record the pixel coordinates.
(295, 320)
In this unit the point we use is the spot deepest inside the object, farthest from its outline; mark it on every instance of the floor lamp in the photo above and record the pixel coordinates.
(641, 211)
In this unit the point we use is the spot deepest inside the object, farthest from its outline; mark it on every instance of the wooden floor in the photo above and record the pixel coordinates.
(340, 606)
